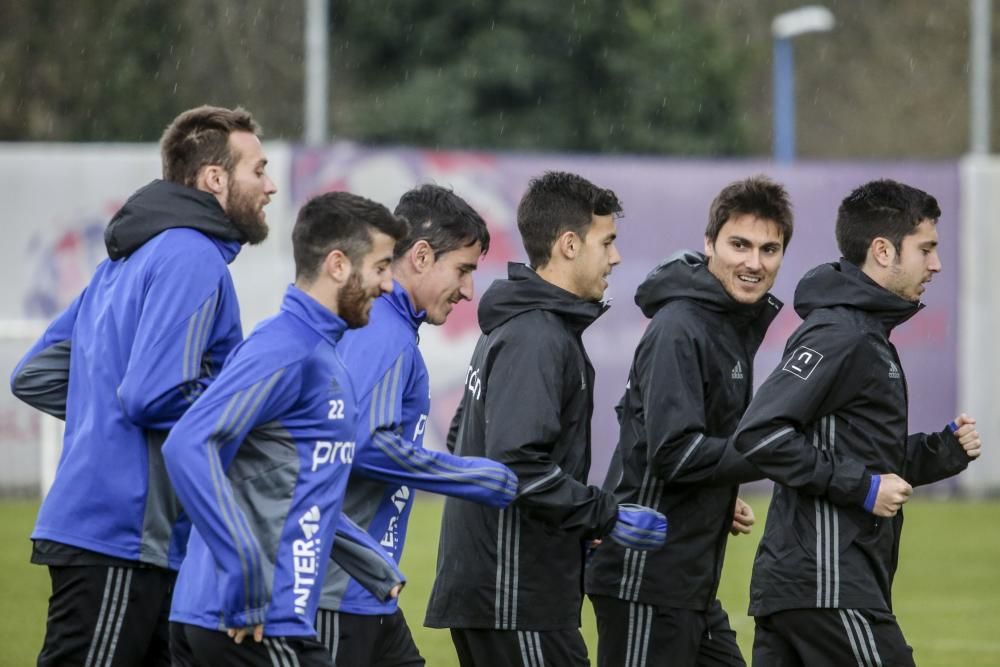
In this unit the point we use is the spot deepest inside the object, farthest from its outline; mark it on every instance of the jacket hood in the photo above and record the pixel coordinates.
(525, 290)
(685, 275)
(164, 205)
(844, 284)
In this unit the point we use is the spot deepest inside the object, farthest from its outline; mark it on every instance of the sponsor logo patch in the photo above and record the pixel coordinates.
(326, 452)
(802, 362)
(390, 540)
(473, 383)
(305, 552)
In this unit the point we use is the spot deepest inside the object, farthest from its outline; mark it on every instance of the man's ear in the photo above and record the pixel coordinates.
(882, 251)
(567, 245)
(338, 266)
(709, 247)
(421, 256)
(213, 179)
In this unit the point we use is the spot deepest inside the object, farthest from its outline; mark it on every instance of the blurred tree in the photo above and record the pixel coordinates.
(120, 70)
(680, 77)
(80, 71)
(635, 76)
(592, 75)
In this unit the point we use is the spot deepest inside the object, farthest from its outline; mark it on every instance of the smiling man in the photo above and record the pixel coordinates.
(509, 580)
(690, 381)
(433, 269)
(261, 460)
(829, 426)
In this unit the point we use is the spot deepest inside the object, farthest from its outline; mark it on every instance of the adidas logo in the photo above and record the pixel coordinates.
(893, 371)
(737, 371)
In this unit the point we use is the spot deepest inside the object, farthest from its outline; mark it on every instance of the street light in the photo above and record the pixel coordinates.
(784, 28)
(979, 70)
(317, 55)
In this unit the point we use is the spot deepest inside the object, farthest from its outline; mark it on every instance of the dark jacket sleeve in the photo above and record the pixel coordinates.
(41, 378)
(811, 381)
(931, 457)
(456, 421)
(523, 408)
(672, 385)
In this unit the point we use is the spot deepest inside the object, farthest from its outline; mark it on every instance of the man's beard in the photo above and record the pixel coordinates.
(353, 302)
(246, 216)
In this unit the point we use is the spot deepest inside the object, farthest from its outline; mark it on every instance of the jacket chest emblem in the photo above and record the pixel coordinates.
(894, 371)
(737, 372)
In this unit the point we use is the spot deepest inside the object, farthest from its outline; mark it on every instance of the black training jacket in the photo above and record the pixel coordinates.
(527, 404)
(690, 381)
(830, 416)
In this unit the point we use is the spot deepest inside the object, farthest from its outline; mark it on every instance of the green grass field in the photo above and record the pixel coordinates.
(947, 592)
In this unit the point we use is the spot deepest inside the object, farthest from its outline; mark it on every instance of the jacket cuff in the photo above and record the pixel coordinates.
(955, 453)
(869, 504)
(608, 518)
(382, 589)
(945, 442)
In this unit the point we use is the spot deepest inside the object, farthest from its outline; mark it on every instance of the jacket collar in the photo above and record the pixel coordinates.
(685, 275)
(402, 303)
(316, 316)
(524, 290)
(164, 205)
(844, 284)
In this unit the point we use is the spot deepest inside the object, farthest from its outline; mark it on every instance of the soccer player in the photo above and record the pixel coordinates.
(509, 582)
(690, 381)
(432, 272)
(829, 426)
(261, 460)
(121, 364)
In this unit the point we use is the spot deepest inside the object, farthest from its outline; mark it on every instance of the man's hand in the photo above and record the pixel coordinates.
(893, 492)
(395, 591)
(237, 634)
(743, 519)
(968, 436)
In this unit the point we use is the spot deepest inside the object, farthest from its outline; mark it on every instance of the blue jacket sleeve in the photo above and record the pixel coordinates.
(364, 560)
(164, 375)
(197, 453)
(41, 378)
(392, 433)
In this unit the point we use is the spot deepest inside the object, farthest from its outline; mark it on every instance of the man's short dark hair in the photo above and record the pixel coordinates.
(882, 208)
(339, 221)
(758, 196)
(555, 203)
(442, 218)
(200, 137)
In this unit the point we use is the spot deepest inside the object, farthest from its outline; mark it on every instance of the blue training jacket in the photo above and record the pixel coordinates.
(390, 462)
(147, 335)
(261, 463)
